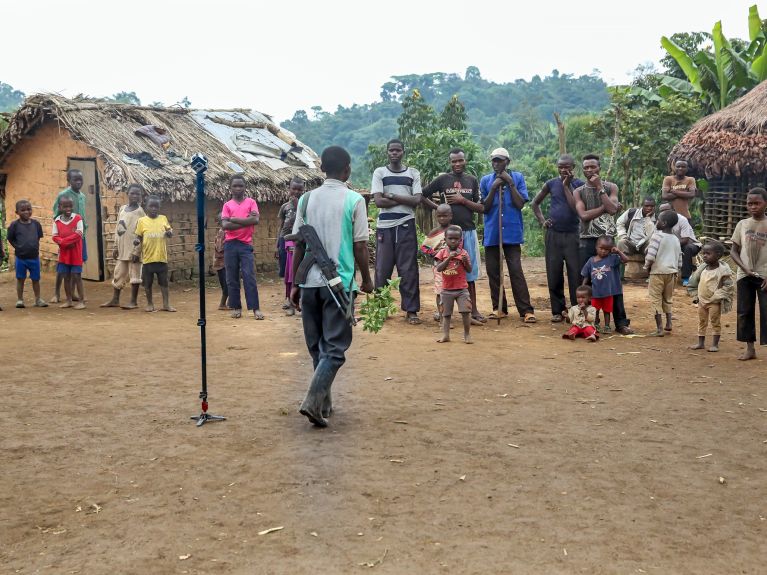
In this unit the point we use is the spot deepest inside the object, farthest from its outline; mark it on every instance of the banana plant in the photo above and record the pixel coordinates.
(720, 76)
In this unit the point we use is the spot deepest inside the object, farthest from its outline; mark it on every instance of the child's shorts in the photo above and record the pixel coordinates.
(68, 269)
(31, 265)
(158, 268)
(450, 296)
(603, 303)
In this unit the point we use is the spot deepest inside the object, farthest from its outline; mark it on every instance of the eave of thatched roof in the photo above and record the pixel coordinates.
(731, 142)
(110, 128)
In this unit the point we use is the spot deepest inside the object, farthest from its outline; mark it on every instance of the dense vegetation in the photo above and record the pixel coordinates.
(492, 109)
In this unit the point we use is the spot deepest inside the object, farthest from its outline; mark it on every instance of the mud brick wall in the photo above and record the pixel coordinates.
(182, 257)
(37, 171)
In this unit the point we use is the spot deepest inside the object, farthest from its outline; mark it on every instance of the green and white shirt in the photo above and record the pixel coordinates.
(339, 216)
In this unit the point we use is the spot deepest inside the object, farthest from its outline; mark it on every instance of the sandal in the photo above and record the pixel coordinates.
(413, 320)
(557, 319)
(497, 314)
(530, 318)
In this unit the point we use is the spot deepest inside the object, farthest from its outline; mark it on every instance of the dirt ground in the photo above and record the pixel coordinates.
(520, 454)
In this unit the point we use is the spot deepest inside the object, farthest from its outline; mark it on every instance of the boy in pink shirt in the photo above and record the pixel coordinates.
(238, 219)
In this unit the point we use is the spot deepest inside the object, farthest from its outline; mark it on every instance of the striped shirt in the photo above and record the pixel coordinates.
(664, 253)
(404, 183)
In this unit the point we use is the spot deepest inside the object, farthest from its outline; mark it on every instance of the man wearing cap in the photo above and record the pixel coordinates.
(513, 191)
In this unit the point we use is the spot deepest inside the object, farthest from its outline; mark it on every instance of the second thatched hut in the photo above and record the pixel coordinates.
(728, 149)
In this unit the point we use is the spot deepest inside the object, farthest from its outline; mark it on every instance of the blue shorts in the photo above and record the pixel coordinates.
(68, 269)
(31, 265)
(470, 245)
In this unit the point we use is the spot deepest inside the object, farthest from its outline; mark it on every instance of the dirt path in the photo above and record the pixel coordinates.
(521, 454)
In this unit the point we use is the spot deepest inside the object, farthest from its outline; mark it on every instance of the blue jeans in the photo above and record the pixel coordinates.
(238, 259)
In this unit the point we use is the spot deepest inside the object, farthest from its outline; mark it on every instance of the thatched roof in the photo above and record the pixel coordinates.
(731, 142)
(269, 155)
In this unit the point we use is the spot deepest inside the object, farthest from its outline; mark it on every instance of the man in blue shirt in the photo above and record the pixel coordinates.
(510, 186)
(561, 240)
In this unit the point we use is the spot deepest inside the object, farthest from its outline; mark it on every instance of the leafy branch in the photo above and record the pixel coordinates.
(378, 306)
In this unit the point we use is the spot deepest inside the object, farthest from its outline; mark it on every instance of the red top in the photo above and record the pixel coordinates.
(454, 275)
(69, 240)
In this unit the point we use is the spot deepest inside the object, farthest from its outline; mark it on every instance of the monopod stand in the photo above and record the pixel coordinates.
(200, 165)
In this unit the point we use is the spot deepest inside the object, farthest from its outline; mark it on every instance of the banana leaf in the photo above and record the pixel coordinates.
(684, 61)
(754, 23)
(721, 61)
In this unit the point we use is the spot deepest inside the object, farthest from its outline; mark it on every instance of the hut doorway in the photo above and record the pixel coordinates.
(93, 269)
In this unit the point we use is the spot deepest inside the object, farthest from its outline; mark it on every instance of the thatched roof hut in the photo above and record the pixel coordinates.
(117, 144)
(731, 142)
(728, 149)
(268, 154)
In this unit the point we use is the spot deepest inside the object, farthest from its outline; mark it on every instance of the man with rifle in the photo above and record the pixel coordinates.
(331, 232)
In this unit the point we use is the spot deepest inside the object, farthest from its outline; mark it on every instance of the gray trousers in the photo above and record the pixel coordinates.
(328, 335)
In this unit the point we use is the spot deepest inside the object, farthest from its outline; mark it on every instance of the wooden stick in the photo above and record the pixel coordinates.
(501, 295)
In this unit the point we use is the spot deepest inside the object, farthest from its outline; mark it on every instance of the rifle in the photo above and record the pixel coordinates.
(315, 254)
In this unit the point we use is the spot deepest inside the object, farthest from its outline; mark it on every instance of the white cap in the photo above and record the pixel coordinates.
(502, 153)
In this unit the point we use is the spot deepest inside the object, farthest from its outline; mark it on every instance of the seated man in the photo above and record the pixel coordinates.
(690, 244)
(635, 228)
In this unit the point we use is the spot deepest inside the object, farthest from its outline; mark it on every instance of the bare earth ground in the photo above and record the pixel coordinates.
(523, 453)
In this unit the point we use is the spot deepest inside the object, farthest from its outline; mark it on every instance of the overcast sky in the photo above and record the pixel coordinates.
(279, 56)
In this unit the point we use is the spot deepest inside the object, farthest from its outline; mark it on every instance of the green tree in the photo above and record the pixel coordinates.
(417, 118)
(10, 99)
(453, 115)
(125, 98)
(720, 73)
(642, 132)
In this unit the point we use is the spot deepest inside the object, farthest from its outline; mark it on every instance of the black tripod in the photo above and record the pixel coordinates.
(200, 165)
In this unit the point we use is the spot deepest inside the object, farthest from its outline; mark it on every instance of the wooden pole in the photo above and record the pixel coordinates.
(501, 295)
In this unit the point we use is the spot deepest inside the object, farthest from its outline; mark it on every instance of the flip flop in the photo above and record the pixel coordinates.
(413, 320)
(530, 318)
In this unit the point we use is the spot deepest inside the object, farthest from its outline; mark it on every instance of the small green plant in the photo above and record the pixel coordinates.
(378, 306)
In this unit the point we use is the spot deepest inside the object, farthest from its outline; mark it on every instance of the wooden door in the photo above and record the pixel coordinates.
(93, 269)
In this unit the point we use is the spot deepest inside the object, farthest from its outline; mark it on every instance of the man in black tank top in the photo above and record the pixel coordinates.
(597, 203)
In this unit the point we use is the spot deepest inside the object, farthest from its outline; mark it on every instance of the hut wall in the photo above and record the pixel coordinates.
(725, 205)
(37, 171)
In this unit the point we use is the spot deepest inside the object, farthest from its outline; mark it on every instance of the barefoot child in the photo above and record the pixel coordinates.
(151, 231)
(68, 230)
(219, 267)
(24, 235)
(127, 264)
(749, 252)
(454, 263)
(715, 290)
(581, 316)
(663, 260)
(432, 245)
(602, 271)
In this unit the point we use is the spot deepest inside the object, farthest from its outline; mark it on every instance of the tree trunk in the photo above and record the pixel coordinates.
(638, 187)
(561, 134)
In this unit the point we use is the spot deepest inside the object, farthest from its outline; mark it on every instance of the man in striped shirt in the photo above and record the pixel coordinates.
(396, 191)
